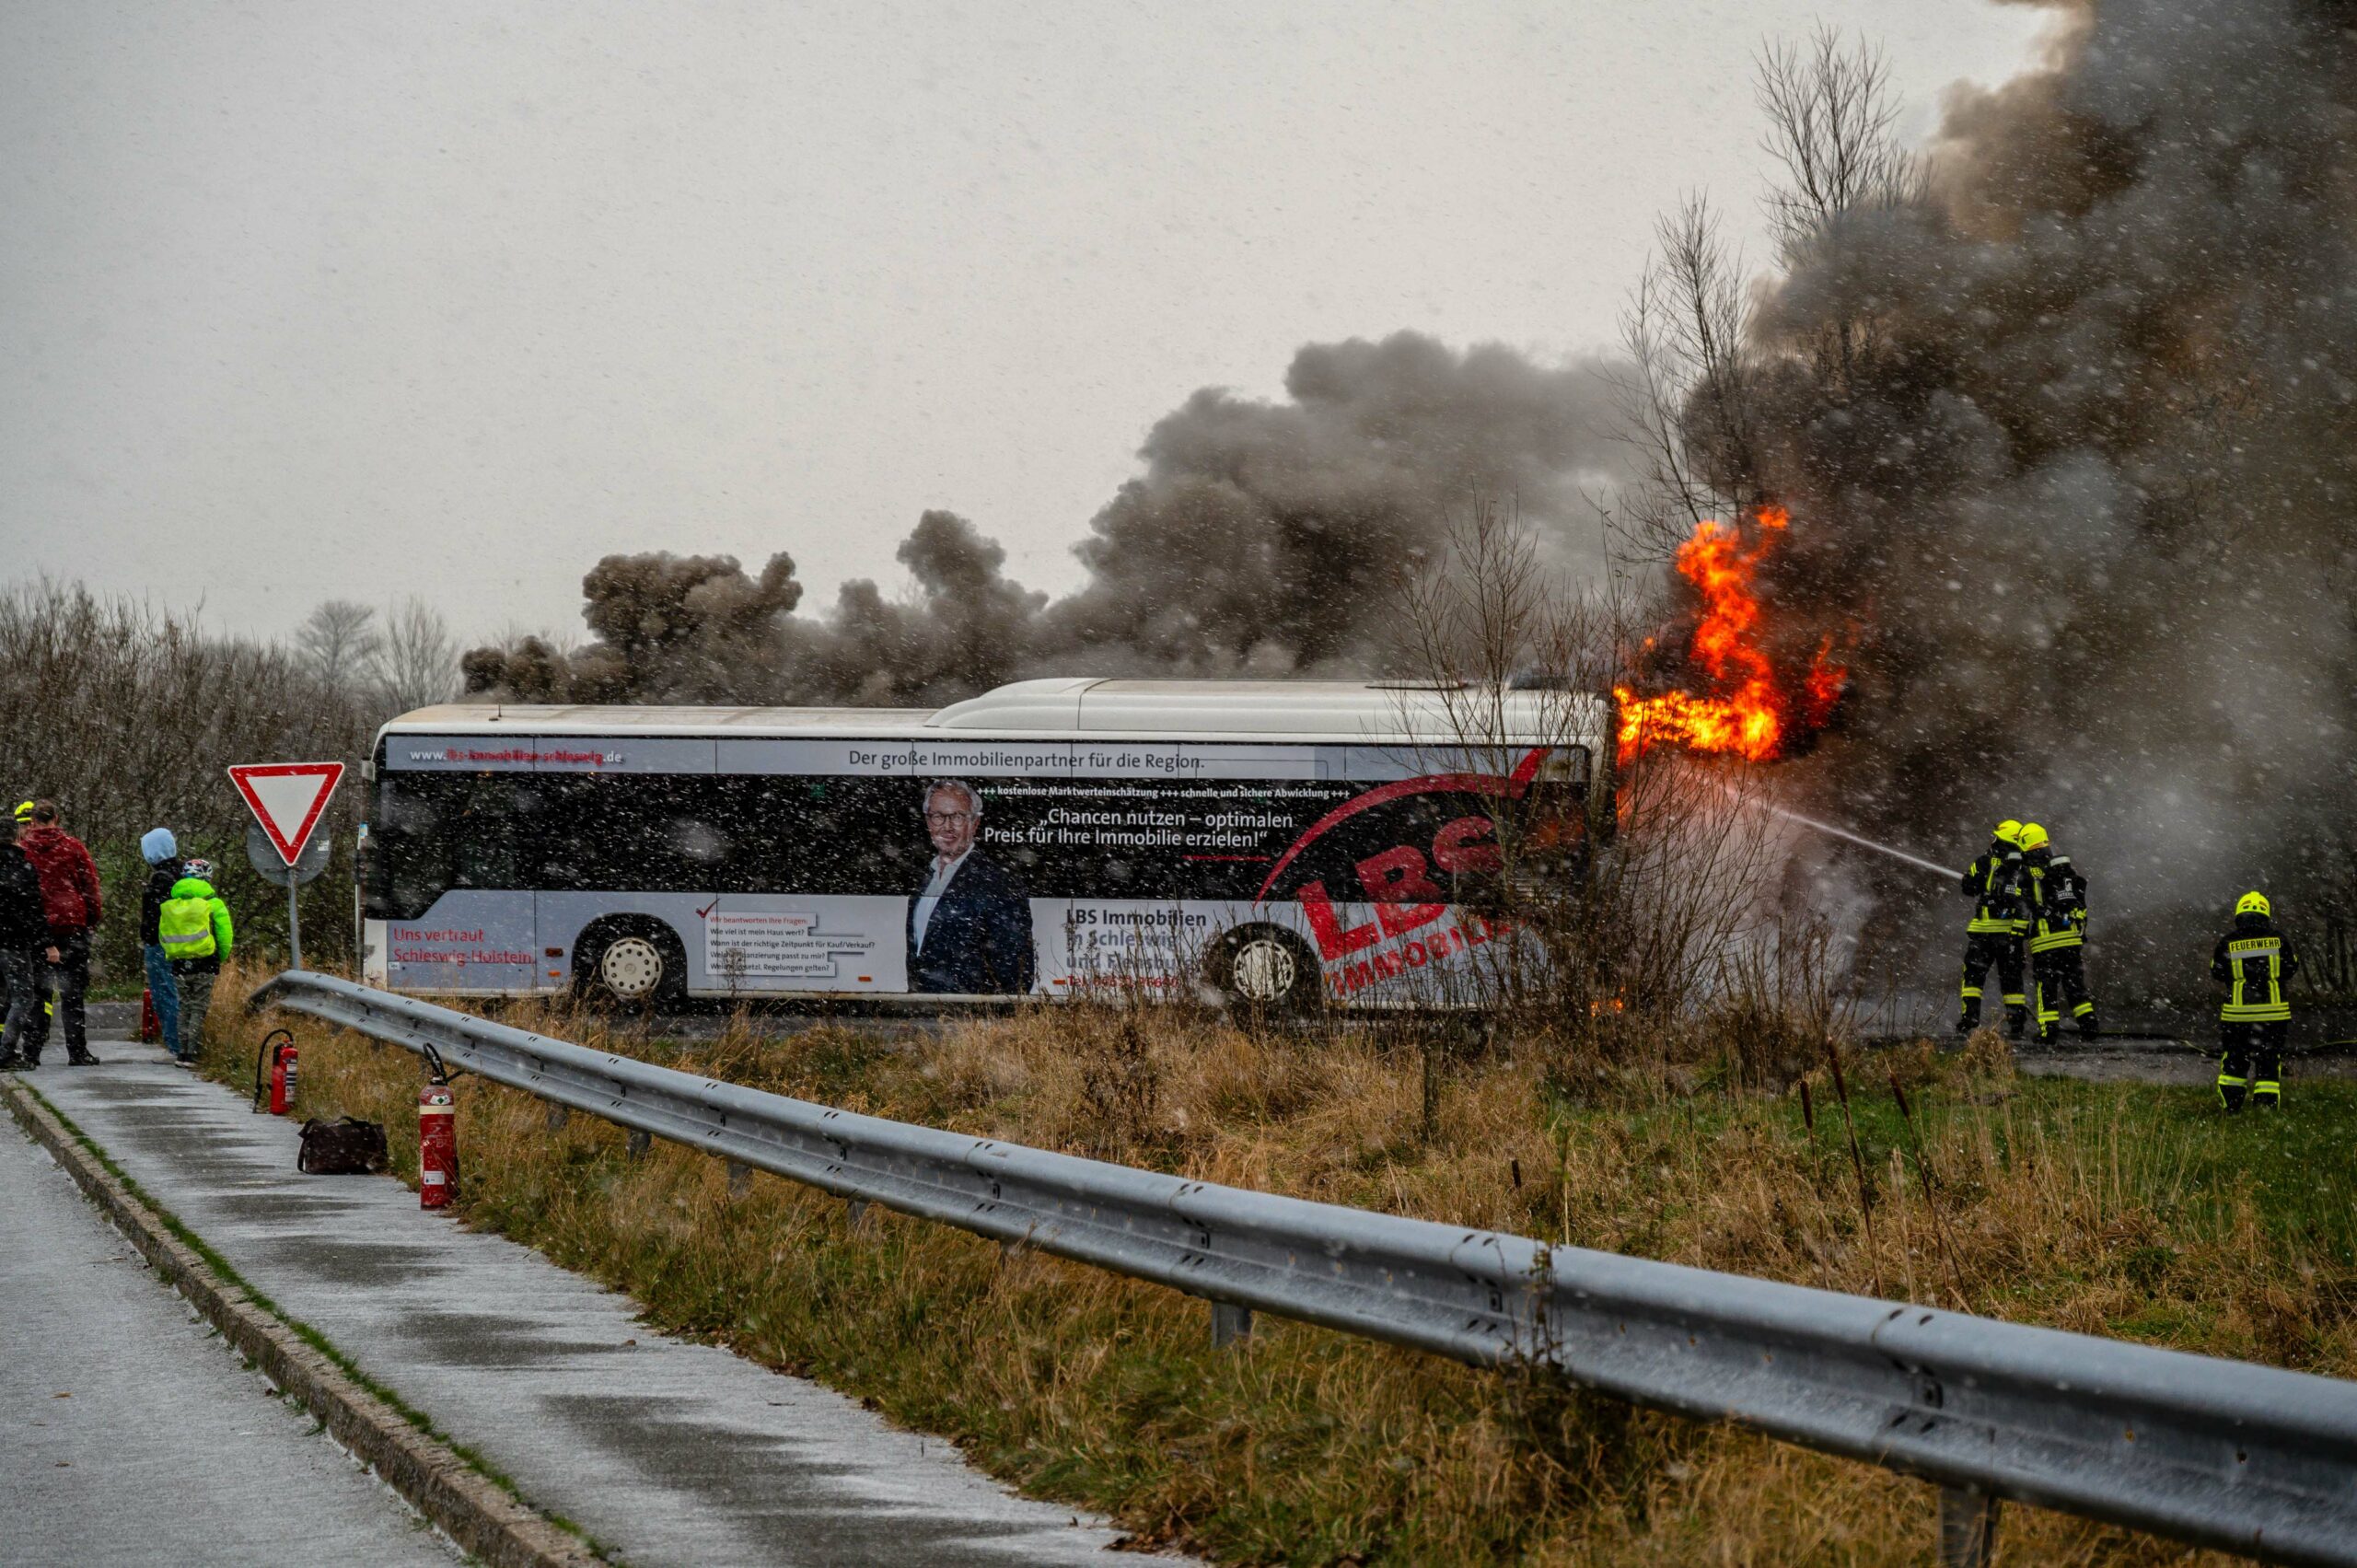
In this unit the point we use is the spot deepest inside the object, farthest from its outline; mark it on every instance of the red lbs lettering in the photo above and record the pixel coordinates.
(1470, 843)
(1333, 941)
(1392, 879)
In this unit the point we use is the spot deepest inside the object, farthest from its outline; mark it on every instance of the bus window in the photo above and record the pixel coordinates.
(650, 832)
(483, 828)
(437, 831)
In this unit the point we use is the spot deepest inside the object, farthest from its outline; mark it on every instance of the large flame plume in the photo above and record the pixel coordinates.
(1754, 711)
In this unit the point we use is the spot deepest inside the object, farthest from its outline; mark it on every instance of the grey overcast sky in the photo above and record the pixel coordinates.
(316, 299)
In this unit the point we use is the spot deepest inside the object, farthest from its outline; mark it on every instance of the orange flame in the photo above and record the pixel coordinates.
(1754, 710)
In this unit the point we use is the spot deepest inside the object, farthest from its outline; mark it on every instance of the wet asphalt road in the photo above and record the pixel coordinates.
(669, 1451)
(131, 1433)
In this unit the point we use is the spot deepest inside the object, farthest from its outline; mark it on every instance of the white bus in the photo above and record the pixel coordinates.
(1288, 843)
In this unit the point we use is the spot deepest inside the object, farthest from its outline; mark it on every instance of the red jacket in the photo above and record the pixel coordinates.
(69, 881)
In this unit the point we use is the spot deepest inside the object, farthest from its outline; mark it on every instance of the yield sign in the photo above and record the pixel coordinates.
(287, 799)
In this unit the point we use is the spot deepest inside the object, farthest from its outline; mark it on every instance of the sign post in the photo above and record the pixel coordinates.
(287, 800)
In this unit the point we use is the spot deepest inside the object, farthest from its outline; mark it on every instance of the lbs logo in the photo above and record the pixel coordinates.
(1412, 850)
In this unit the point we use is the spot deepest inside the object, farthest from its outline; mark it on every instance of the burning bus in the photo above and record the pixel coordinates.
(1285, 844)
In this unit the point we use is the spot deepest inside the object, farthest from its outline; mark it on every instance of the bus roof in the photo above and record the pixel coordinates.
(1330, 711)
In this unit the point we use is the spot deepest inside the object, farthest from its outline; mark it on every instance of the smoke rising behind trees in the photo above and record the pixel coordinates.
(1259, 538)
(2071, 442)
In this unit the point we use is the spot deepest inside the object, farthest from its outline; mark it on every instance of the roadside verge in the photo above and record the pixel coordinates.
(471, 1504)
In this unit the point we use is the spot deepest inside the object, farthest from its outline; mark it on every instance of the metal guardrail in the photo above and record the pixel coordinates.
(2252, 1460)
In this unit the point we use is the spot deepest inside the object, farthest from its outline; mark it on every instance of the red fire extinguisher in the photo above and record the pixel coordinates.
(274, 1072)
(437, 1138)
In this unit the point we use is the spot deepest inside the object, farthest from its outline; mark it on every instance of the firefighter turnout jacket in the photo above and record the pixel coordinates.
(2056, 903)
(2255, 961)
(1993, 884)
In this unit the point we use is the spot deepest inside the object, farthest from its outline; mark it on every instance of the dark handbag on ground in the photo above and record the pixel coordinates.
(347, 1146)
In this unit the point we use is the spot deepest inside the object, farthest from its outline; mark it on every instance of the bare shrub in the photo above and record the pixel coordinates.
(1121, 1084)
(1780, 1002)
(1623, 939)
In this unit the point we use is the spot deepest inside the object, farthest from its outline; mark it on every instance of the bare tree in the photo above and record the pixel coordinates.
(1687, 396)
(338, 641)
(1831, 114)
(1700, 362)
(416, 661)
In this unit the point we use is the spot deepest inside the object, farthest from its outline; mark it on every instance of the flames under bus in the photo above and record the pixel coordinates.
(1283, 842)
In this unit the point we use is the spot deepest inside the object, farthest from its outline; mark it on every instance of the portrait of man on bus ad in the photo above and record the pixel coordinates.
(969, 919)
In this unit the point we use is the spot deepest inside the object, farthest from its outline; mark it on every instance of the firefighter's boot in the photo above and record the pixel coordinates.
(2232, 1087)
(2266, 1094)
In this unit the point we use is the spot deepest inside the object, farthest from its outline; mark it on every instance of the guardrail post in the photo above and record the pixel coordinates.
(856, 1217)
(740, 1175)
(557, 1115)
(1968, 1528)
(1231, 1324)
(640, 1141)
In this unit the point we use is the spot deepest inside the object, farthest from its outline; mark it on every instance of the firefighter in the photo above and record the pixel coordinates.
(1991, 936)
(2253, 960)
(2054, 897)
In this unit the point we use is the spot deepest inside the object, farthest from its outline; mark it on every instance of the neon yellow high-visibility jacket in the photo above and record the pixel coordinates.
(193, 924)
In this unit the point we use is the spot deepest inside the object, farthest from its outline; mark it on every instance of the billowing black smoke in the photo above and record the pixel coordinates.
(2084, 491)
(1260, 537)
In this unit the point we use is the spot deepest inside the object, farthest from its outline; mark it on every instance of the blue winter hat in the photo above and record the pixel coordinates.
(156, 845)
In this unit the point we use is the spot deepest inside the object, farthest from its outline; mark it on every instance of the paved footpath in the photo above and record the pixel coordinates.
(131, 1433)
(665, 1452)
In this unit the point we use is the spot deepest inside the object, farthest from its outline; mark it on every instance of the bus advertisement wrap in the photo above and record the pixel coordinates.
(847, 866)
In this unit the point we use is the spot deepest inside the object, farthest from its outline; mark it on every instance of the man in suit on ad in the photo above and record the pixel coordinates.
(970, 926)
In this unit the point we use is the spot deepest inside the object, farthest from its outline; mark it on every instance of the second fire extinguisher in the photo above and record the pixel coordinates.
(437, 1138)
(274, 1072)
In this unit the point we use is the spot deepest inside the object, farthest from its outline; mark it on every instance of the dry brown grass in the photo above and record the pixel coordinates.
(2071, 1205)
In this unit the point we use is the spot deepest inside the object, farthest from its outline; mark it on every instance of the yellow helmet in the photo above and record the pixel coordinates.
(2010, 831)
(2254, 902)
(24, 811)
(2032, 836)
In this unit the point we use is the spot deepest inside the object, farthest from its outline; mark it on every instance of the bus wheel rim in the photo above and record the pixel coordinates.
(1264, 969)
(631, 967)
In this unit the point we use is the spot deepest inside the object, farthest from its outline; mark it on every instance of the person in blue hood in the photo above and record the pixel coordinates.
(162, 854)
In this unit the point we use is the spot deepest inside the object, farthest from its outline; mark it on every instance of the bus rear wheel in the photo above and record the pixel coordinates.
(630, 964)
(1265, 970)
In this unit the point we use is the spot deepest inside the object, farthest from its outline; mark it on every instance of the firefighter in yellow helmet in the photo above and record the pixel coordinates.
(2054, 899)
(2253, 961)
(1991, 938)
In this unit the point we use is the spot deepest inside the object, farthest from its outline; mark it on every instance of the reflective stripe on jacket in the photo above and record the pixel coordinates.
(194, 922)
(1993, 885)
(2060, 911)
(2255, 960)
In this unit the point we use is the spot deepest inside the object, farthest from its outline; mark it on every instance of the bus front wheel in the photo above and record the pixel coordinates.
(1266, 969)
(631, 964)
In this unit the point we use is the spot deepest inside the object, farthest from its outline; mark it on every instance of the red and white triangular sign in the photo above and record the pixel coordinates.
(288, 798)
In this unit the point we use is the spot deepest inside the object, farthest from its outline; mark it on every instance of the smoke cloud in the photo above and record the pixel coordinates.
(2084, 507)
(1259, 538)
